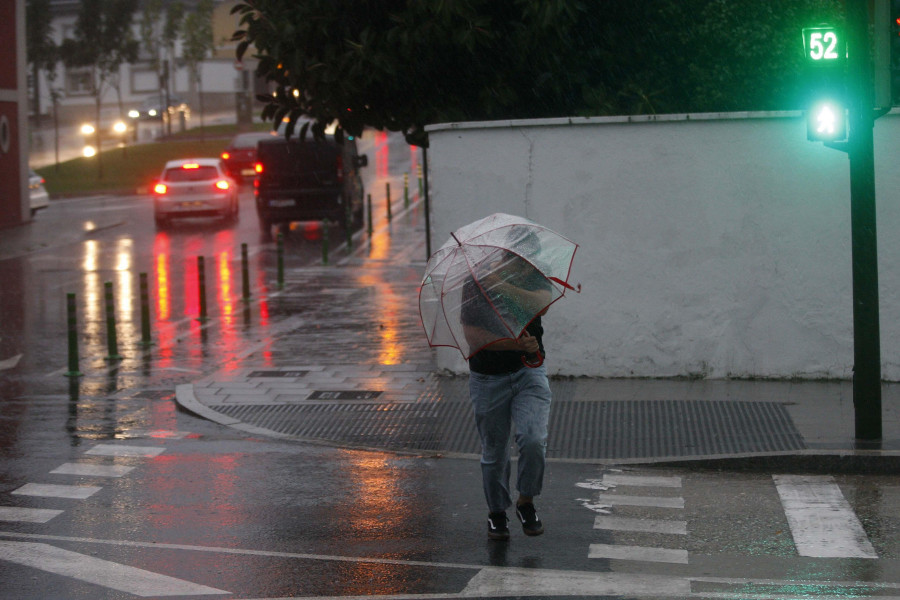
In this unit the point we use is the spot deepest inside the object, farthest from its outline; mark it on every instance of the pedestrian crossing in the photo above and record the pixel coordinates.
(822, 523)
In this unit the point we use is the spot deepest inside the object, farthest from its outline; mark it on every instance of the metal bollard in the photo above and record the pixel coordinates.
(348, 228)
(71, 321)
(201, 286)
(406, 190)
(245, 272)
(145, 312)
(388, 193)
(325, 242)
(419, 169)
(111, 340)
(369, 213)
(279, 244)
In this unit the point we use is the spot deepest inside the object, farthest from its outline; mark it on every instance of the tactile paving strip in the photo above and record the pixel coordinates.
(579, 429)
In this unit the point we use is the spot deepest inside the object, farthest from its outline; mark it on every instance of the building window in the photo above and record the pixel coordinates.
(79, 82)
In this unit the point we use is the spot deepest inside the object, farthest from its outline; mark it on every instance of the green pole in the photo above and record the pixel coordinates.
(388, 194)
(72, 327)
(145, 312)
(325, 242)
(279, 244)
(111, 340)
(201, 286)
(866, 327)
(245, 272)
(406, 190)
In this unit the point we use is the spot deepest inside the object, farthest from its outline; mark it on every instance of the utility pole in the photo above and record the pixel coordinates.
(860, 147)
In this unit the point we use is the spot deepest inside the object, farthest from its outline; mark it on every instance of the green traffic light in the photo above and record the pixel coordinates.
(826, 122)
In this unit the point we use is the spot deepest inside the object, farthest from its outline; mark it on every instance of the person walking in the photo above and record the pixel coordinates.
(505, 391)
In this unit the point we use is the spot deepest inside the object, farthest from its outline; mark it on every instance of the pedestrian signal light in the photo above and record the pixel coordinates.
(825, 83)
(826, 121)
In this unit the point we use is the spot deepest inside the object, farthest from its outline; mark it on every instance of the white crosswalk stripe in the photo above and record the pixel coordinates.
(100, 572)
(92, 470)
(822, 522)
(48, 490)
(642, 525)
(27, 515)
(117, 450)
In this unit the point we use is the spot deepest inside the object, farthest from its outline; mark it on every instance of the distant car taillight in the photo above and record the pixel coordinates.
(160, 188)
(258, 168)
(222, 184)
(225, 156)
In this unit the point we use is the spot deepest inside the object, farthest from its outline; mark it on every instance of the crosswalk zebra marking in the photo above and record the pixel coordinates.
(27, 515)
(48, 490)
(822, 522)
(647, 501)
(100, 572)
(611, 523)
(612, 479)
(121, 450)
(638, 553)
(90, 470)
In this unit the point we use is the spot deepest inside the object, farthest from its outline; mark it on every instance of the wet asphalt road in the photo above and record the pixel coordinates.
(176, 506)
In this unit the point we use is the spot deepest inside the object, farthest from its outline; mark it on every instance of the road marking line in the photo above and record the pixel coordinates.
(665, 502)
(117, 450)
(49, 490)
(10, 362)
(643, 481)
(99, 572)
(92, 470)
(27, 515)
(822, 522)
(505, 582)
(639, 553)
(643, 525)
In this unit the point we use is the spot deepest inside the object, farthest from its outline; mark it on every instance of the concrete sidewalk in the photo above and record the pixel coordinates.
(350, 367)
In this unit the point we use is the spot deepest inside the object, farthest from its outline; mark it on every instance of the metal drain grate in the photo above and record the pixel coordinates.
(578, 429)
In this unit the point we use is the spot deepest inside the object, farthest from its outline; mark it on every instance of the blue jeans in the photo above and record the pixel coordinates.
(522, 398)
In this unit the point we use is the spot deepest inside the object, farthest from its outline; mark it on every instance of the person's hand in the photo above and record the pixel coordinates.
(528, 343)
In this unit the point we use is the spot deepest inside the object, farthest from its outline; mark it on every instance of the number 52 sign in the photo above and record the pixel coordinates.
(824, 45)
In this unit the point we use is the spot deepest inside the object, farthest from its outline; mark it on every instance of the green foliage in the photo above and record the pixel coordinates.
(401, 64)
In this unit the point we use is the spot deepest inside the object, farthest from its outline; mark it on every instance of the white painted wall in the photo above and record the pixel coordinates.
(711, 245)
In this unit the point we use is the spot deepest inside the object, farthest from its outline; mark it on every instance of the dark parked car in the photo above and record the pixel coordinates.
(239, 155)
(309, 180)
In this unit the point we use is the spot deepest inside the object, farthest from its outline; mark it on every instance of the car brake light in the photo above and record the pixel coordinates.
(225, 156)
(190, 166)
(222, 184)
(258, 167)
(160, 188)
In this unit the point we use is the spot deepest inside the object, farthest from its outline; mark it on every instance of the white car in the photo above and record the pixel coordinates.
(194, 187)
(37, 192)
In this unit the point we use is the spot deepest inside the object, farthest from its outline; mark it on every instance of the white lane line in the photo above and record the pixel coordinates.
(494, 582)
(117, 450)
(10, 363)
(610, 523)
(822, 522)
(639, 553)
(99, 572)
(89, 470)
(27, 515)
(642, 481)
(49, 490)
(616, 500)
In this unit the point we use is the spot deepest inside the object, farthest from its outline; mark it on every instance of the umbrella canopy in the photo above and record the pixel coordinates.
(490, 280)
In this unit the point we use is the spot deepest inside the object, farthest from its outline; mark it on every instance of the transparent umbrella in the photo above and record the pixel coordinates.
(490, 280)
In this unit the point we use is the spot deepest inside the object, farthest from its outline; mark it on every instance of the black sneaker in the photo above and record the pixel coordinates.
(498, 526)
(531, 524)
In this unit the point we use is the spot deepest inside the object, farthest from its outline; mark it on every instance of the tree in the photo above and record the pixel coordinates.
(198, 43)
(400, 64)
(41, 50)
(102, 42)
(160, 28)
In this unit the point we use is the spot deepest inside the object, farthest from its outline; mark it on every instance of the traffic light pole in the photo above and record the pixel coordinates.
(860, 148)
